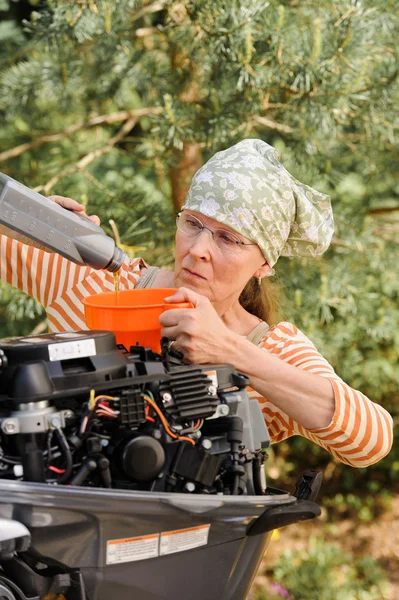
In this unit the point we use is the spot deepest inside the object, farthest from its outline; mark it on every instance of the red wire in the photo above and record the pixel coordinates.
(56, 470)
(147, 415)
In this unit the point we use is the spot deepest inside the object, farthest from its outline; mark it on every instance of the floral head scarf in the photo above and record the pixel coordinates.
(247, 188)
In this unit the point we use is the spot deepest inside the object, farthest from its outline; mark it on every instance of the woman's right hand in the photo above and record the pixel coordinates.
(75, 207)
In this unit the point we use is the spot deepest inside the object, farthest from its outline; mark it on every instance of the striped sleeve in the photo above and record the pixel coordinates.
(31, 270)
(58, 283)
(360, 432)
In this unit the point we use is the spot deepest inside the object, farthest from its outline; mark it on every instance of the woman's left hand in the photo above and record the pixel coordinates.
(198, 333)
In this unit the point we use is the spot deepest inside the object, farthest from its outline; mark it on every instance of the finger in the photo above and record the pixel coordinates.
(175, 350)
(95, 219)
(185, 295)
(68, 203)
(172, 317)
(175, 298)
(169, 332)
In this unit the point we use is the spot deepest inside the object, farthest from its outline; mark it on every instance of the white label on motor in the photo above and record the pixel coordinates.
(76, 349)
(131, 549)
(183, 539)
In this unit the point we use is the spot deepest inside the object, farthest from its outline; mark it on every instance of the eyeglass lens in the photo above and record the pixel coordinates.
(192, 226)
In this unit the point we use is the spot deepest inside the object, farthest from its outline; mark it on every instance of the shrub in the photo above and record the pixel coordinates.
(324, 572)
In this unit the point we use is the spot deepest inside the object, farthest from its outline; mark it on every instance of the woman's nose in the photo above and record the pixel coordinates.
(200, 247)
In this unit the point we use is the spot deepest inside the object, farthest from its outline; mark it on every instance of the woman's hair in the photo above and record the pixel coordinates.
(264, 300)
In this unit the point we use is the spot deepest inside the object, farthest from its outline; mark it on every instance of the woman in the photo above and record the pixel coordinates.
(242, 212)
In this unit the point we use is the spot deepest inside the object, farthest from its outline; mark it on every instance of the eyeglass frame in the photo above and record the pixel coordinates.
(238, 242)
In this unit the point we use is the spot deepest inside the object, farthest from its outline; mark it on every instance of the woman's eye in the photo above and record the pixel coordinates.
(226, 238)
(193, 224)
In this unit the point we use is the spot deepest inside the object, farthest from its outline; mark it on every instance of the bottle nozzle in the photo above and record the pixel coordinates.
(117, 260)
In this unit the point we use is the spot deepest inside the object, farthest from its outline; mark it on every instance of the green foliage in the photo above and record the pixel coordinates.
(99, 100)
(321, 74)
(363, 508)
(19, 314)
(324, 572)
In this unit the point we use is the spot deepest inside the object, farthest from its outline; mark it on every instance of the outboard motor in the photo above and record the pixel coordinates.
(126, 469)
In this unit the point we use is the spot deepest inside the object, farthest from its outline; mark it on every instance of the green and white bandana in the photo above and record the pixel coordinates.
(247, 188)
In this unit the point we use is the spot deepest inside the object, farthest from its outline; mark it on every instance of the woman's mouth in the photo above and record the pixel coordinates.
(193, 274)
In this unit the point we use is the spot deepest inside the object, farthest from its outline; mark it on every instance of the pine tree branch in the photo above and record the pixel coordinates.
(353, 137)
(98, 184)
(115, 231)
(151, 8)
(40, 328)
(387, 232)
(146, 31)
(338, 242)
(89, 158)
(270, 105)
(99, 120)
(384, 83)
(383, 211)
(272, 125)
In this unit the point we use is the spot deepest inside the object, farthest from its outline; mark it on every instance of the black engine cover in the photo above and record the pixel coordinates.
(53, 365)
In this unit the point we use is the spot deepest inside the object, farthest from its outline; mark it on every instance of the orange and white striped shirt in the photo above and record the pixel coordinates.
(360, 432)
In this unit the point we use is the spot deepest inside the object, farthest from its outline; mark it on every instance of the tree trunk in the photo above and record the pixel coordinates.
(189, 161)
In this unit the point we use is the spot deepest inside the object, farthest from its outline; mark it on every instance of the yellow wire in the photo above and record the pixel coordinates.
(112, 398)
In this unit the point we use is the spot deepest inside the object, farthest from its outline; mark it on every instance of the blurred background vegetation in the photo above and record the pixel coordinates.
(117, 103)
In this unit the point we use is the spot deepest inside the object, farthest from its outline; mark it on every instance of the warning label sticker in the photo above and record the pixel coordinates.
(156, 544)
(183, 539)
(130, 549)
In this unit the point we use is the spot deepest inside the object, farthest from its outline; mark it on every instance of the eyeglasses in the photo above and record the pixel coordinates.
(224, 240)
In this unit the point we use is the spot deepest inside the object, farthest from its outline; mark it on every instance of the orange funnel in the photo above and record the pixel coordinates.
(132, 315)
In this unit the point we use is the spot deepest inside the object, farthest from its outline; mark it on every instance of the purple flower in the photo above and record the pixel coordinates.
(281, 591)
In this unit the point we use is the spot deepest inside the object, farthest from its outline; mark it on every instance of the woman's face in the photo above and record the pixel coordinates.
(219, 274)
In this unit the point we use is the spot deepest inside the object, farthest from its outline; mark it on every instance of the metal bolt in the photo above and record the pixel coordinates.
(55, 422)
(206, 443)
(212, 390)
(224, 410)
(68, 414)
(166, 398)
(189, 487)
(156, 434)
(9, 427)
(18, 470)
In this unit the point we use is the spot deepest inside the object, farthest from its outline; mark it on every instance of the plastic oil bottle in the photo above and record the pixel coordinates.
(33, 219)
